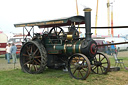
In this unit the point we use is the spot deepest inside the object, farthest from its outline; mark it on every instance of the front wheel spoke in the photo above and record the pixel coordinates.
(102, 59)
(94, 68)
(101, 69)
(84, 70)
(99, 57)
(74, 71)
(80, 73)
(104, 62)
(97, 70)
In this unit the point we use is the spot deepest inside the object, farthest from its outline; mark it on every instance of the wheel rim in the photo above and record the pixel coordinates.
(79, 66)
(101, 64)
(32, 58)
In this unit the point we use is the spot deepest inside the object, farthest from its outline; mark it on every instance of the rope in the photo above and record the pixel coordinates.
(112, 44)
(115, 27)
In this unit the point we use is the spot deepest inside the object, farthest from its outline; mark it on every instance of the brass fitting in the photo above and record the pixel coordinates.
(87, 9)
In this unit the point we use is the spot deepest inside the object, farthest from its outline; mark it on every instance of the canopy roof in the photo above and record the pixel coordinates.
(52, 23)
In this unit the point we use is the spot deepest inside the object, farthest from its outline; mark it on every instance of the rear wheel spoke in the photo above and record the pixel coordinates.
(37, 57)
(39, 60)
(35, 51)
(26, 55)
(27, 62)
(37, 63)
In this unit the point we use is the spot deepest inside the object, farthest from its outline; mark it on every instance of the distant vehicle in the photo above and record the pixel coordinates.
(18, 42)
(3, 42)
(118, 40)
(100, 42)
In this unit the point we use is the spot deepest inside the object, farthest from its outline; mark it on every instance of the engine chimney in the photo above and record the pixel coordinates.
(87, 13)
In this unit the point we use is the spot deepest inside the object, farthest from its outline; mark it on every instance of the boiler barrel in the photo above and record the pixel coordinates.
(68, 47)
(85, 47)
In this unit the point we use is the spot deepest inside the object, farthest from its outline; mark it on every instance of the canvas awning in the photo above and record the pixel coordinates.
(56, 22)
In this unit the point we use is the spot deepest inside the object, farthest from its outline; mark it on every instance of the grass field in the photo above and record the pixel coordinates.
(58, 77)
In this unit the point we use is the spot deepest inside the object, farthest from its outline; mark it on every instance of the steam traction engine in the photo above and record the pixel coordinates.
(58, 49)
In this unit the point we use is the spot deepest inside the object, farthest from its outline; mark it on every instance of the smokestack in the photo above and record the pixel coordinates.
(87, 13)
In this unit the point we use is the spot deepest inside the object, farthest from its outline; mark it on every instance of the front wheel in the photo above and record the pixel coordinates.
(79, 66)
(101, 64)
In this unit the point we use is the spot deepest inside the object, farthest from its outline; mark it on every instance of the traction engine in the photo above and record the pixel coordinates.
(57, 49)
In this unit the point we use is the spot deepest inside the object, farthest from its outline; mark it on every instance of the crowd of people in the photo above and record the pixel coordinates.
(11, 51)
(110, 49)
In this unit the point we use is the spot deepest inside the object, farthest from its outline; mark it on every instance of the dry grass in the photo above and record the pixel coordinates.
(5, 66)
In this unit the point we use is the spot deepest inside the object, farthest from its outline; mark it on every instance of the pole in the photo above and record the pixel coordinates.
(112, 20)
(77, 13)
(96, 18)
(108, 11)
(77, 8)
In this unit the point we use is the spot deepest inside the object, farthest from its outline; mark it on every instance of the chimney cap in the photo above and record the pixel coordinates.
(87, 9)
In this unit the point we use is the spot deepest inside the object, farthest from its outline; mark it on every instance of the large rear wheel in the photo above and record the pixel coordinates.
(33, 57)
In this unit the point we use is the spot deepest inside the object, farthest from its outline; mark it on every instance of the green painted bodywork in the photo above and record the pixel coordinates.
(69, 47)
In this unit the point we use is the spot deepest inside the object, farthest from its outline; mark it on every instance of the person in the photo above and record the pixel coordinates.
(112, 48)
(8, 52)
(109, 48)
(106, 47)
(13, 52)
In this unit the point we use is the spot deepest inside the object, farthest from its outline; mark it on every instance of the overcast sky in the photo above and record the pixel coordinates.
(23, 11)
